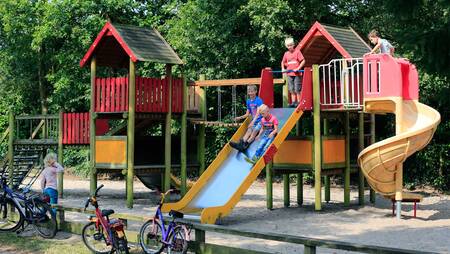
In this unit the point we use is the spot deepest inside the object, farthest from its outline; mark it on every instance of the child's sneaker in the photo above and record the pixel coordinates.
(236, 145)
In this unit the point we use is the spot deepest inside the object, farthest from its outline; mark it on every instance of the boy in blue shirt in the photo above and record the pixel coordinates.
(253, 103)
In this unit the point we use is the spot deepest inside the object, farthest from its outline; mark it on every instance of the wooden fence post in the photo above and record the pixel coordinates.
(317, 139)
(60, 155)
(11, 148)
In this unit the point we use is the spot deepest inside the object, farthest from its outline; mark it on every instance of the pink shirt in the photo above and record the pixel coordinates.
(49, 179)
(291, 61)
(269, 124)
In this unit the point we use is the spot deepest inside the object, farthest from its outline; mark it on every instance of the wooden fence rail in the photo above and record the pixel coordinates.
(199, 244)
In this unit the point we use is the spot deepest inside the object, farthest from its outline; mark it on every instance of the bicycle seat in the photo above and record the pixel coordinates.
(176, 214)
(107, 212)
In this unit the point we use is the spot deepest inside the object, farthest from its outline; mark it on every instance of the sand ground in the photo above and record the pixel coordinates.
(371, 224)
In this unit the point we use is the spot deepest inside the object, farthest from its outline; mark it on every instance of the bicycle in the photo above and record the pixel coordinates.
(103, 235)
(154, 237)
(19, 210)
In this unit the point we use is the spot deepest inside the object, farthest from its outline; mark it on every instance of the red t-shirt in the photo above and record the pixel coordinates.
(291, 61)
(269, 124)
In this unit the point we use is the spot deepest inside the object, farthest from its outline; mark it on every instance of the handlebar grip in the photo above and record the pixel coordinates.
(87, 204)
(98, 188)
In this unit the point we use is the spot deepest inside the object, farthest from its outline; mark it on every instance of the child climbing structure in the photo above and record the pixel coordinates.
(336, 82)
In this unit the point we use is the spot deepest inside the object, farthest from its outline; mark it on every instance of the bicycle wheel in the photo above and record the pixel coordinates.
(95, 239)
(10, 217)
(150, 236)
(44, 219)
(178, 242)
(121, 246)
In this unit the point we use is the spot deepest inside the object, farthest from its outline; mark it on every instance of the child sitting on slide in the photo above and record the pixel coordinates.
(382, 45)
(268, 132)
(253, 102)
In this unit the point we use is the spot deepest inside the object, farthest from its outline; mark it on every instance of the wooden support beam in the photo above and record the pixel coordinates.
(361, 147)
(234, 82)
(347, 160)
(92, 127)
(317, 160)
(183, 159)
(286, 191)
(168, 131)
(60, 155)
(131, 133)
(269, 186)
(300, 189)
(11, 147)
(372, 141)
(202, 130)
(327, 181)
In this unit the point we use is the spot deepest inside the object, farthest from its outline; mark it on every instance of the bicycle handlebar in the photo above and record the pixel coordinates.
(163, 195)
(98, 188)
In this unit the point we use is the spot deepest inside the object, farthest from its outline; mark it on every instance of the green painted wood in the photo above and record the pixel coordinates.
(60, 155)
(372, 141)
(4, 135)
(317, 160)
(93, 173)
(301, 167)
(37, 117)
(168, 133)
(300, 189)
(113, 138)
(201, 229)
(131, 133)
(183, 159)
(202, 129)
(310, 249)
(361, 147)
(269, 186)
(209, 248)
(347, 160)
(11, 122)
(286, 191)
(327, 177)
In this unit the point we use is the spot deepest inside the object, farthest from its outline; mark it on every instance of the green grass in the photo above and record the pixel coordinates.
(34, 244)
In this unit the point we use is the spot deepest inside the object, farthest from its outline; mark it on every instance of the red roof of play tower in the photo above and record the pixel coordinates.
(116, 44)
(323, 43)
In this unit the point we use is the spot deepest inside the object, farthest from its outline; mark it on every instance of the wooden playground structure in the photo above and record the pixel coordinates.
(335, 91)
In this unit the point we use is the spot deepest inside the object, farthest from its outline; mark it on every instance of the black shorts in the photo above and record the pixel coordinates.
(295, 84)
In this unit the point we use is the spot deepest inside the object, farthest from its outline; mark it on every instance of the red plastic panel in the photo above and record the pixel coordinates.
(266, 87)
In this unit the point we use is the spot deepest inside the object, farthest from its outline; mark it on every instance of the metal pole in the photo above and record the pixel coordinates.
(372, 141)
(361, 147)
(202, 129)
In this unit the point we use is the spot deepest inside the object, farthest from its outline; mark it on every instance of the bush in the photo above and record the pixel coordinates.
(77, 159)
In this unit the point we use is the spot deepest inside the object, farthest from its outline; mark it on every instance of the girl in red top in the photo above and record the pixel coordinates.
(293, 61)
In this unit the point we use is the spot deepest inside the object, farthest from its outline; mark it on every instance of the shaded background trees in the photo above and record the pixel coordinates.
(41, 43)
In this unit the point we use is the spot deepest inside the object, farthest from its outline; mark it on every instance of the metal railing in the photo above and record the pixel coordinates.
(341, 83)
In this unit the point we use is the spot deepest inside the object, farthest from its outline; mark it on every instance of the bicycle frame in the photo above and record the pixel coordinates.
(165, 232)
(100, 220)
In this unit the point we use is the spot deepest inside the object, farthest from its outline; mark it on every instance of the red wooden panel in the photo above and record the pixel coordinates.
(165, 94)
(126, 94)
(153, 94)
(174, 94)
(108, 95)
(69, 129)
(158, 93)
(86, 128)
(97, 94)
(144, 95)
(113, 94)
(137, 94)
(102, 100)
(141, 93)
(180, 96)
(65, 128)
(148, 93)
(73, 128)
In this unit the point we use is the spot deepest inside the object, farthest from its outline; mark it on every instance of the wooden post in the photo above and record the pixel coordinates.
(372, 141)
(92, 116)
(310, 249)
(200, 239)
(327, 181)
(286, 191)
(60, 154)
(183, 160)
(202, 129)
(347, 160)
(300, 189)
(131, 132)
(11, 148)
(168, 133)
(317, 139)
(361, 147)
(269, 186)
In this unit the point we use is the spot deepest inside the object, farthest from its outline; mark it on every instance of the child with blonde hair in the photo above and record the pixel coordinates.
(49, 177)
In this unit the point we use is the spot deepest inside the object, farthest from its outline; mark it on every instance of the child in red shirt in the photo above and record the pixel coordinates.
(268, 132)
(292, 62)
